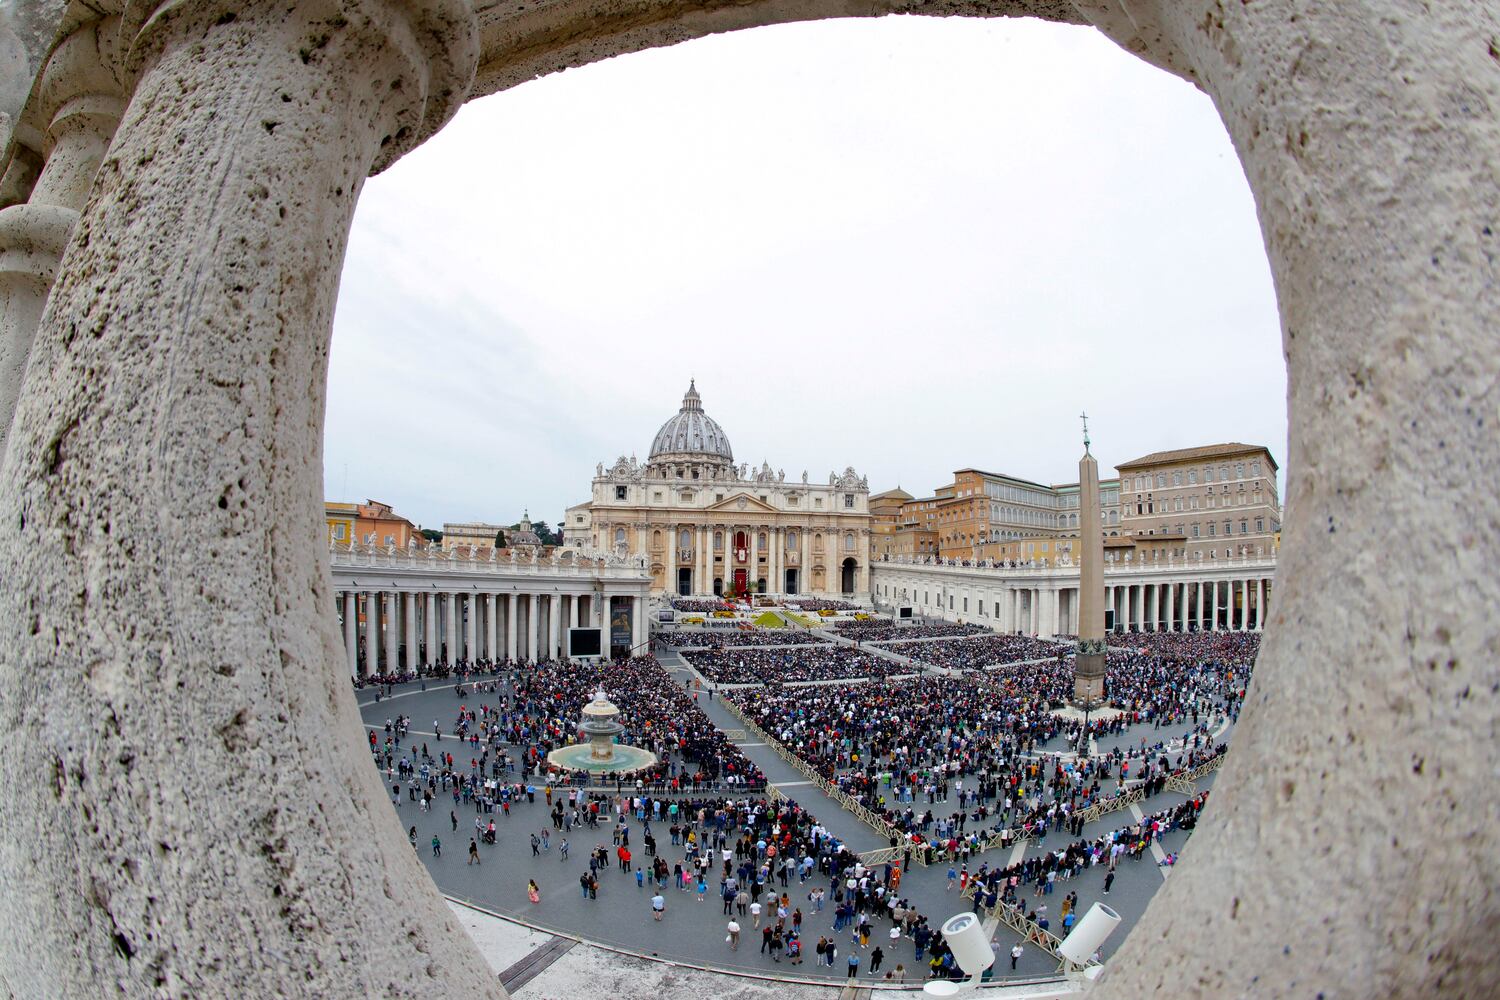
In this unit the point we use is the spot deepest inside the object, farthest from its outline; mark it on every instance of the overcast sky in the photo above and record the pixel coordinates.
(908, 245)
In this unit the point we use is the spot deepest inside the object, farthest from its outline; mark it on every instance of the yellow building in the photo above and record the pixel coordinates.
(341, 518)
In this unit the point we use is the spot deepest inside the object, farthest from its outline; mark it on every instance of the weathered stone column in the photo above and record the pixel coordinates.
(510, 626)
(351, 631)
(1369, 133)
(81, 103)
(162, 513)
(471, 625)
(491, 625)
(409, 600)
(372, 632)
(430, 630)
(449, 644)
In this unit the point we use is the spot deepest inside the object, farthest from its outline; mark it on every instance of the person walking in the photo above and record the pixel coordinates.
(734, 934)
(562, 850)
(533, 891)
(853, 964)
(658, 905)
(1015, 955)
(437, 846)
(474, 852)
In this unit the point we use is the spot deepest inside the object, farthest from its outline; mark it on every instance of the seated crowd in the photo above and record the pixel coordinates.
(873, 631)
(694, 605)
(978, 653)
(783, 666)
(719, 638)
(816, 604)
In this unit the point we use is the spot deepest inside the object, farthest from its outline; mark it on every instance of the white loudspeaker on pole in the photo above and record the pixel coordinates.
(1089, 934)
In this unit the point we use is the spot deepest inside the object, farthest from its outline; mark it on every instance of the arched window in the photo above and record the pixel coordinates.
(718, 540)
(1224, 471)
(1239, 470)
(1192, 477)
(656, 539)
(791, 540)
(685, 539)
(1161, 480)
(849, 542)
(818, 542)
(1176, 479)
(619, 536)
(1208, 474)
(1255, 467)
(761, 540)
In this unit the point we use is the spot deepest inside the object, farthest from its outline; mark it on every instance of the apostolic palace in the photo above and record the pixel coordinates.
(705, 525)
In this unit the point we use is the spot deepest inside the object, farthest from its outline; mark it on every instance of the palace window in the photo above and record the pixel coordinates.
(817, 543)
(1255, 468)
(687, 496)
(763, 499)
(1239, 470)
(656, 496)
(718, 498)
(1226, 528)
(1212, 529)
(619, 536)
(1208, 474)
(818, 502)
(1195, 531)
(1176, 479)
(718, 541)
(848, 499)
(340, 531)
(1260, 525)
(1244, 527)
(791, 540)
(793, 500)
(761, 540)
(695, 473)
(1192, 477)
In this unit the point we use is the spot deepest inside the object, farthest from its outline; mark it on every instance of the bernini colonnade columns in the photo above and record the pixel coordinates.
(177, 738)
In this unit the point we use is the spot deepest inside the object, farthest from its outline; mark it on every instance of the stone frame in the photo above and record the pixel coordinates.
(159, 510)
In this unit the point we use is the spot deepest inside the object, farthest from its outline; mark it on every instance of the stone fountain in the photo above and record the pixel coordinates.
(601, 752)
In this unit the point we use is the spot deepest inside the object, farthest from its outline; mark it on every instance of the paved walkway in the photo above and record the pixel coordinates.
(691, 932)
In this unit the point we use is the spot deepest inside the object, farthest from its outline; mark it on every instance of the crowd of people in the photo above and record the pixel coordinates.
(816, 604)
(881, 631)
(700, 606)
(720, 638)
(977, 653)
(783, 666)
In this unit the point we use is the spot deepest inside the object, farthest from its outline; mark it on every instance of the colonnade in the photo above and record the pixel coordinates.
(1047, 603)
(1234, 605)
(393, 631)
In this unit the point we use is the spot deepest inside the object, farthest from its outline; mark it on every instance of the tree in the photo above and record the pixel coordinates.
(500, 539)
(546, 534)
(432, 535)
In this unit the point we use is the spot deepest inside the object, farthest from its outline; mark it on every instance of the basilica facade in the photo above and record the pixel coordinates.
(708, 526)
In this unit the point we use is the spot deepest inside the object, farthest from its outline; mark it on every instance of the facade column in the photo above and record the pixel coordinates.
(1260, 604)
(804, 572)
(409, 600)
(471, 626)
(450, 628)
(393, 633)
(351, 631)
(430, 629)
(670, 583)
(638, 631)
(510, 626)
(490, 625)
(1171, 607)
(1213, 605)
(81, 101)
(754, 542)
(372, 632)
(554, 624)
(534, 634)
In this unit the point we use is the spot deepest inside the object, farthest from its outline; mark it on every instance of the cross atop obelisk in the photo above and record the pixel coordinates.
(1084, 416)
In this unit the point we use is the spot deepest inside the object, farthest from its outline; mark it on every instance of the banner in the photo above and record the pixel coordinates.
(619, 625)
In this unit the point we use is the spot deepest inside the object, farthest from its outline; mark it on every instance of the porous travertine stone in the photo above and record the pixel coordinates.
(187, 806)
(79, 103)
(1348, 849)
(188, 810)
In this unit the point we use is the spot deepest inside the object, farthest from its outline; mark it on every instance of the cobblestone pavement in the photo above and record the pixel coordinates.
(693, 931)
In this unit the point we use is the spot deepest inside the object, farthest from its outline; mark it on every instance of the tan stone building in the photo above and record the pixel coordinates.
(1216, 501)
(885, 521)
(1209, 502)
(707, 526)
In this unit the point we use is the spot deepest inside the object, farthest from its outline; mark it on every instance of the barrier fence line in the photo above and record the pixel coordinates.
(1029, 930)
(1186, 782)
(844, 799)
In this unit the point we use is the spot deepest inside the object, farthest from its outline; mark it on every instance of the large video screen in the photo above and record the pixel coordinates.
(585, 641)
(904, 613)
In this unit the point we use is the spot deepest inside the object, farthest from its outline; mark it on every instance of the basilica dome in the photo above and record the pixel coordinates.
(691, 433)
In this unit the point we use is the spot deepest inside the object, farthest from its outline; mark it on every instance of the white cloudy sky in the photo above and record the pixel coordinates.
(908, 245)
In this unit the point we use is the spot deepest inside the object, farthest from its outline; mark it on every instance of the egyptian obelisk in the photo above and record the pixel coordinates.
(1088, 673)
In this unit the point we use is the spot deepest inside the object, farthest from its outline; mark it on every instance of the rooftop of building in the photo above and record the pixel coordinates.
(1224, 450)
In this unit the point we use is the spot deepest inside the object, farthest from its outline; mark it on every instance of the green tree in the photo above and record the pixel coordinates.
(545, 533)
(432, 535)
(500, 539)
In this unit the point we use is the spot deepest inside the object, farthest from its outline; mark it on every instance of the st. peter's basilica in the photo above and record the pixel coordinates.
(708, 526)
